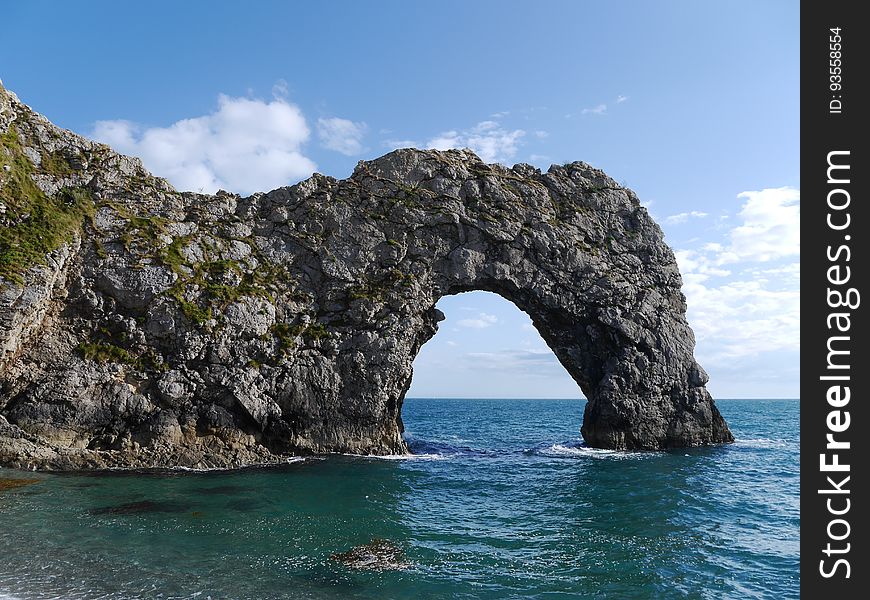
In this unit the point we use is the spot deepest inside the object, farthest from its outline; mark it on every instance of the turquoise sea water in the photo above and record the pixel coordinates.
(501, 501)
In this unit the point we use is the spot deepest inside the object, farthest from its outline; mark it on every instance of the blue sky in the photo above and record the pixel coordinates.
(694, 105)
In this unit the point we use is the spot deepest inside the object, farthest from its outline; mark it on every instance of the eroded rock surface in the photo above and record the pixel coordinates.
(377, 555)
(159, 328)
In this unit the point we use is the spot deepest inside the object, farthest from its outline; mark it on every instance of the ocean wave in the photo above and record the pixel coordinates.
(580, 450)
(766, 443)
(439, 448)
(181, 469)
(402, 456)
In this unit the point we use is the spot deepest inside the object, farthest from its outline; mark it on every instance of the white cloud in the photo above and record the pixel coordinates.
(539, 158)
(540, 362)
(482, 321)
(743, 318)
(697, 267)
(445, 141)
(541, 134)
(119, 134)
(488, 139)
(757, 309)
(620, 99)
(684, 216)
(770, 228)
(341, 135)
(395, 144)
(595, 110)
(244, 146)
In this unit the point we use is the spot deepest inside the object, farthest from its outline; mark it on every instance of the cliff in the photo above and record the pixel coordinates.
(145, 327)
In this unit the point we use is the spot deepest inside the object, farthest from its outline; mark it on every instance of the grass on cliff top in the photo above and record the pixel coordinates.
(41, 224)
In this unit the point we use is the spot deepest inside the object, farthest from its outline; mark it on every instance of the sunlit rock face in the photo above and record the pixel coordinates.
(144, 327)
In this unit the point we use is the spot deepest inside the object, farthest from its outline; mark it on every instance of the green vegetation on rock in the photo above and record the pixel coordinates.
(288, 334)
(55, 163)
(102, 352)
(35, 224)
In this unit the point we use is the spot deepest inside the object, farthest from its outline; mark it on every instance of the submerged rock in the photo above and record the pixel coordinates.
(11, 484)
(138, 507)
(223, 490)
(144, 327)
(377, 555)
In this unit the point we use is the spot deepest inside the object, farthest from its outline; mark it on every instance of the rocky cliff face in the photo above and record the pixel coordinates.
(140, 326)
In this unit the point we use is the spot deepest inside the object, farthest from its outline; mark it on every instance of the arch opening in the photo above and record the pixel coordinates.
(487, 355)
(487, 347)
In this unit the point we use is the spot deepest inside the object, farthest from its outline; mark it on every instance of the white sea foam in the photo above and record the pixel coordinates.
(761, 443)
(286, 461)
(402, 456)
(561, 450)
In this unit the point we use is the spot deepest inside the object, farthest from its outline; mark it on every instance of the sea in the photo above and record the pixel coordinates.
(501, 499)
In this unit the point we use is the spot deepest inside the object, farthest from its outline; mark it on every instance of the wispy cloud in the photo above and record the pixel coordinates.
(394, 144)
(341, 135)
(684, 216)
(244, 146)
(280, 90)
(491, 141)
(595, 110)
(482, 321)
(540, 362)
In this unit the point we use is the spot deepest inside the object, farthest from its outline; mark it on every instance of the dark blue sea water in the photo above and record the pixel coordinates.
(501, 501)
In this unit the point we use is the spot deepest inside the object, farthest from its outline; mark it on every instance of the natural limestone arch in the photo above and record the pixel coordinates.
(580, 256)
(195, 330)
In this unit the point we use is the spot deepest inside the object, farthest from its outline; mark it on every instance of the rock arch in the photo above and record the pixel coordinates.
(184, 329)
(578, 253)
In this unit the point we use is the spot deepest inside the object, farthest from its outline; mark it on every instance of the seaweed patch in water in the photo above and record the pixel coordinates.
(140, 507)
(222, 490)
(246, 504)
(11, 484)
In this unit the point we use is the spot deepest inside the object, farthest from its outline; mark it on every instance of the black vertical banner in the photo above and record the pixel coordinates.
(835, 373)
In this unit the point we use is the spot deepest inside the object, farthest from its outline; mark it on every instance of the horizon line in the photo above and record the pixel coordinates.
(566, 398)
